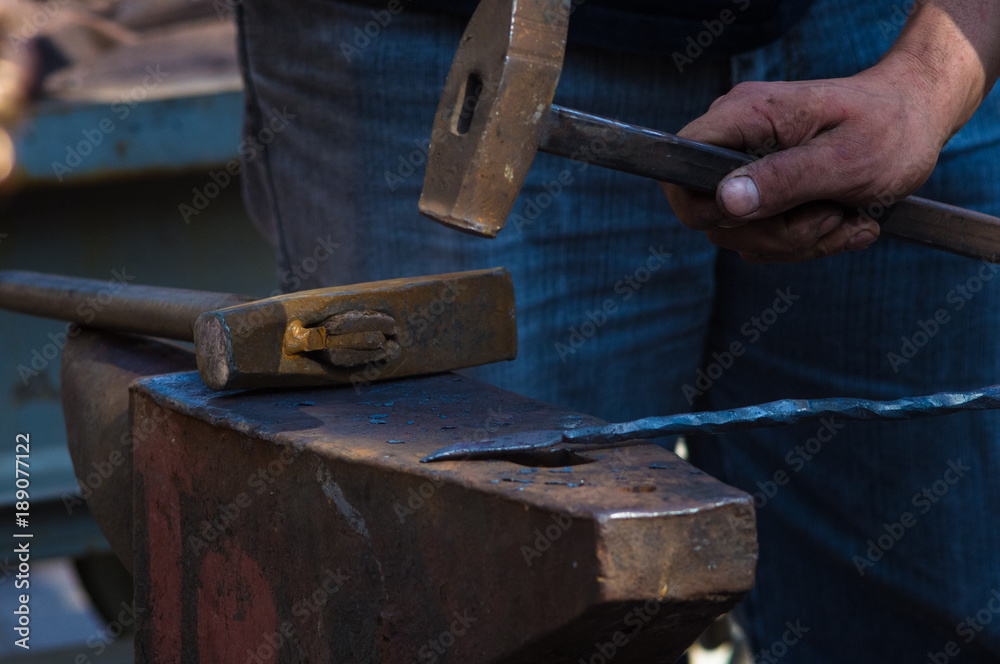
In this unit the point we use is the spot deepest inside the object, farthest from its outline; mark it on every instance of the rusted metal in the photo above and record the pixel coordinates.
(350, 339)
(474, 176)
(771, 414)
(350, 334)
(300, 526)
(492, 112)
(375, 331)
(97, 369)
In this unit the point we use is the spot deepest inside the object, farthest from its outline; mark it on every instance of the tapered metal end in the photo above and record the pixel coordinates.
(501, 447)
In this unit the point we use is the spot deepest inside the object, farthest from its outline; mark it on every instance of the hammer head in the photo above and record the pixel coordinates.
(493, 111)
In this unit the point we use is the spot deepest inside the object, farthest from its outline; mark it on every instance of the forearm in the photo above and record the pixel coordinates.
(950, 50)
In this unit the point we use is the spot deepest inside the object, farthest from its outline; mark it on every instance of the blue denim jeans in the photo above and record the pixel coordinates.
(879, 542)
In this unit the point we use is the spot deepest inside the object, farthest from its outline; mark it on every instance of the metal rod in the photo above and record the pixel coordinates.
(787, 412)
(115, 304)
(772, 414)
(668, 158)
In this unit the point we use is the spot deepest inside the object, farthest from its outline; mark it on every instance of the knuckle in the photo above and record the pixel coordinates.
(749, 89)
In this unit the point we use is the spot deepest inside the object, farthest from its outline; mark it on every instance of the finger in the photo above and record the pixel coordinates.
(781, 181)
(763, 117)
(786, 233)
(854, 234)
(792, 128)
(695, 210)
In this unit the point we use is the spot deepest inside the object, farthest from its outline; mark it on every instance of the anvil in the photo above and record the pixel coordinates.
(291, 525)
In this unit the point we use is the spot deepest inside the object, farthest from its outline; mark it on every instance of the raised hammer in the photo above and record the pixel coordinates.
(496, 111)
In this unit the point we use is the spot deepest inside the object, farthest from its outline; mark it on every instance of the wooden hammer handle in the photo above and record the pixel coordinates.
(668, 158)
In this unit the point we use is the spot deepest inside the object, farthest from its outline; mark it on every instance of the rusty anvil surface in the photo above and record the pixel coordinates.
(294, 526)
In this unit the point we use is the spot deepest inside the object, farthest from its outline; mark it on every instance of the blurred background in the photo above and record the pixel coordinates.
(118, 112)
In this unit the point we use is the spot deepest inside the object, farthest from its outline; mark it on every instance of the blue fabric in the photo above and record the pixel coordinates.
(348, 167)
(715, 28)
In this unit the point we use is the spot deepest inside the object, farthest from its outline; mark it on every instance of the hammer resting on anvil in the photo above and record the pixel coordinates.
(344, 335)
(496, 111)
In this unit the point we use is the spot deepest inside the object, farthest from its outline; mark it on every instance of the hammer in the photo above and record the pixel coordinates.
(496, 111)
(353, 334)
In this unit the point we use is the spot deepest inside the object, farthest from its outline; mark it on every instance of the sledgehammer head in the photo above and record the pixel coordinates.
(493, 111)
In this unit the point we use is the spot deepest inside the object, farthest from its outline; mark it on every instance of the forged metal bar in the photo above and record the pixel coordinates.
(772, 414)
(115, 304)
(668, 158)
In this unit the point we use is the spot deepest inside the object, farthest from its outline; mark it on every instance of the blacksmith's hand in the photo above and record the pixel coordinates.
(832, 148)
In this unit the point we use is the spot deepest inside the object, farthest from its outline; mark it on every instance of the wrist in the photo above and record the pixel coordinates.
(946, 57)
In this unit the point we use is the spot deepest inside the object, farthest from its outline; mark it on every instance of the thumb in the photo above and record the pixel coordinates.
(779, 182)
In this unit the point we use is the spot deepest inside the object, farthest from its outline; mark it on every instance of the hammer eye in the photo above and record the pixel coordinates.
(469, 98)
